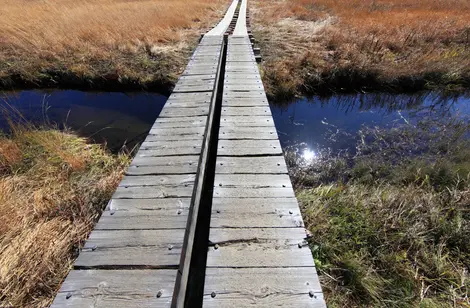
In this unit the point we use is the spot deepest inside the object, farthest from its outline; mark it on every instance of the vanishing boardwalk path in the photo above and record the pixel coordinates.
(206, 214)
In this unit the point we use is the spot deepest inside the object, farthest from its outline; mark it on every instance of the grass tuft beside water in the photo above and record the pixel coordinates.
(53, 187)
(390, 224)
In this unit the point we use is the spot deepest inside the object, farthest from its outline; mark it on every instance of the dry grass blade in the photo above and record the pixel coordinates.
(53, 187)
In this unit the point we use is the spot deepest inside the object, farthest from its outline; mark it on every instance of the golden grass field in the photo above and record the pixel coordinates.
(93, 41)
(379, 44)
(53, 187)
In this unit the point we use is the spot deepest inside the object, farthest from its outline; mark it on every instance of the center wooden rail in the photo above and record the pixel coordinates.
(149, 248)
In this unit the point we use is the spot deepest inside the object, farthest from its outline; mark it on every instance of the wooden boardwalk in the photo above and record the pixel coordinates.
(140, 252)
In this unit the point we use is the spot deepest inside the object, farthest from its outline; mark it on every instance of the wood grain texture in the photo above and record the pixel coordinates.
(248, 147)
(174, 112)
(116, 289)
(177, 131)
(250, 192)
(256, 165)
(262, 287)
(180, 122)
(253, 180)
(121, 214)
(255, 212)
(152, 248)
(259, 247)
(246, 111)
(148, 192)
(156, 180)
(247, 121)
(246, 132)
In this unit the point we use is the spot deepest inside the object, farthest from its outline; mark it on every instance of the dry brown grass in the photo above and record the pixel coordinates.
(53, 186)
(313, 45)
(141, 41)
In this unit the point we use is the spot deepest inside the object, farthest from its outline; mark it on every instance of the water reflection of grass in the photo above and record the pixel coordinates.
(390, 225)
(53, 187)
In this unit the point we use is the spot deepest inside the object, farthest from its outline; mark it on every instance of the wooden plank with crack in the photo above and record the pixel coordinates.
(262, 287)
(117, 288)
(110, 248)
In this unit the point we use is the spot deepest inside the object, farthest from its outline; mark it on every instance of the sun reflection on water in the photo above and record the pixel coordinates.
(309, 155)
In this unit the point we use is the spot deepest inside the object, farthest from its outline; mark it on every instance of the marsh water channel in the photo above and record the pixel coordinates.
(308, 126)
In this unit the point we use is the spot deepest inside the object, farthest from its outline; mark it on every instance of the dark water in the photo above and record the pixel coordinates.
(112, 117)
(309, 125)
(313, 125)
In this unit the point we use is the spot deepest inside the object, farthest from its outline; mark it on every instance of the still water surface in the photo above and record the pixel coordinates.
(307, 125)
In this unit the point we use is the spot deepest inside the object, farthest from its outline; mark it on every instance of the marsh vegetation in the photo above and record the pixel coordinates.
(389, 221)
(100, 44)
(53, 187)
(363, 45)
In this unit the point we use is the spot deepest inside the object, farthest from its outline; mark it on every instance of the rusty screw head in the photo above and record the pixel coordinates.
(213, 294)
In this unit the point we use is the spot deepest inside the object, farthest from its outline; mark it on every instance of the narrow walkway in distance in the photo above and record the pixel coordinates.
(132, 257)
(258, 256)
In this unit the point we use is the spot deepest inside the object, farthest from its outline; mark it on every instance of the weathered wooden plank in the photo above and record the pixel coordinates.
(186, 104)
(199, 71)
(235, 81)
(248, 180)
(180, 122)
(177, 131)
(259, 247)
(163, 180)
(244, 132)
(170, 145)
(248, 147)
(243, 87)
(201, 66)
(196, 78)
(251, 94)
(184, 112)
(241, 70)
(246, 111)
(171, 213)
(247, 121)
(193, 88)
(169, 138)
(172, 161)
(247, 192)
(258, 165)
(177, 151)
(191, 96)
(154, 248)
(241, 64)
(244, 102)
(262, 287)
(117, 289)
(168, 169)
(148, 192)
(255, 213)
(242, 76)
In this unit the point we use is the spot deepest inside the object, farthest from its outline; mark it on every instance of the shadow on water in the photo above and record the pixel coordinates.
(112, 117)
(310, 126)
